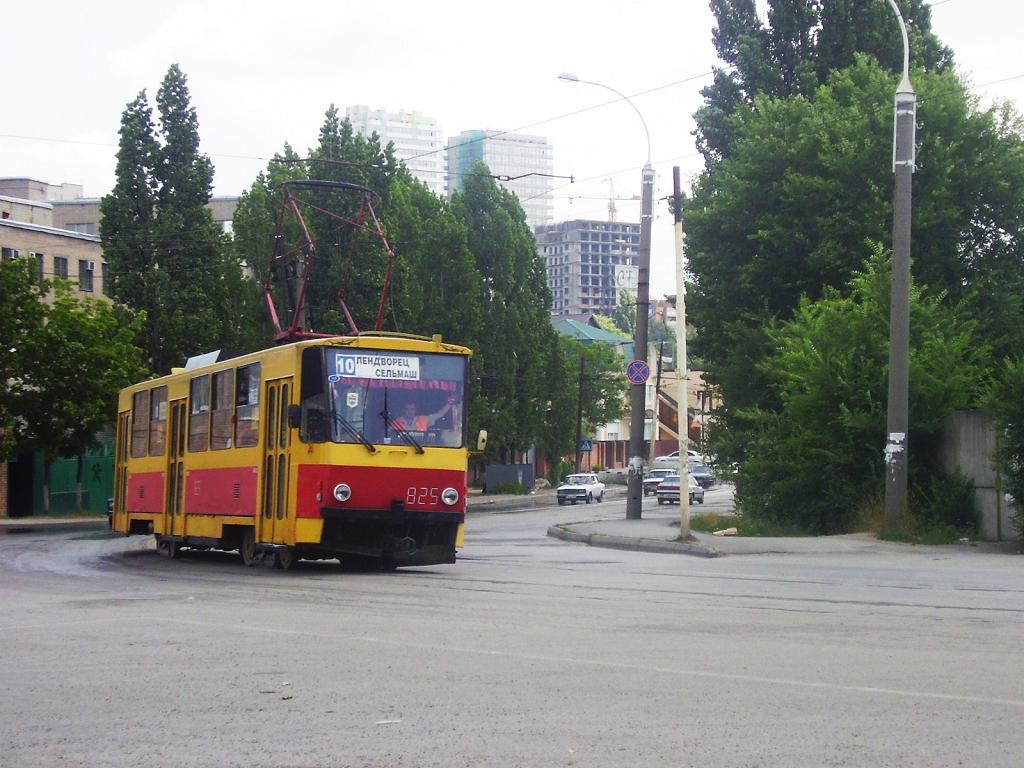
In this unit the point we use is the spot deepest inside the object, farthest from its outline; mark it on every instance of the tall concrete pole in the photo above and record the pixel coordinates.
(638, 392)
(682, 396)
(897, 420)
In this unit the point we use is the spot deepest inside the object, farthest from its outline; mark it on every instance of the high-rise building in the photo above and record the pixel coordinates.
(522, 164)
(589, 263)
(416, 137)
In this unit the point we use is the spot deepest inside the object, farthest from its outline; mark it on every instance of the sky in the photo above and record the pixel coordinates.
(263, 73)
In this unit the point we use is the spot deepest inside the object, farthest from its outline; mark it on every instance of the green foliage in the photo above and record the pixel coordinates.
(799, 48)
(1005, 404)
(516, 339)
(811, 462)
(515, 489)
(23, 315)
(945, 502)
(168, 261)
(63, 363)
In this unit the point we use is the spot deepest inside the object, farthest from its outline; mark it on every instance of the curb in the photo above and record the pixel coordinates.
(39, 523)
(658, 546)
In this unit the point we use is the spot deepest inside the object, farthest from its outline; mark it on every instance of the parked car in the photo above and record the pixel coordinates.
(581, 487)
(696, 492)
(668, 490)
(672, 459)
(654, 477)
(704, 476)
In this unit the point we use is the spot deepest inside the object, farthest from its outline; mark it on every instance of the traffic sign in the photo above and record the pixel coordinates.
(638, 372)
(586, 445)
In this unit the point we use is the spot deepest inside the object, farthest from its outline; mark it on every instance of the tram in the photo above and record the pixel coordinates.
(348, 447)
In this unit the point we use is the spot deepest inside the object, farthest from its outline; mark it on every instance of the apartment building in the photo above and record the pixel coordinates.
(588, 263)
(417, 140)
(521, 163)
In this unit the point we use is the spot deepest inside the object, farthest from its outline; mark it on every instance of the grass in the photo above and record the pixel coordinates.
(714, 522)
(907, 529)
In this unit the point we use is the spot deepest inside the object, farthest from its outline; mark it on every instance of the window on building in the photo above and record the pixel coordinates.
(9, 254)
(40, 267)
(60, 267)
(85, 272)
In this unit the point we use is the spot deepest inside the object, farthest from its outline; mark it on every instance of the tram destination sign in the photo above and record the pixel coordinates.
(391, 367)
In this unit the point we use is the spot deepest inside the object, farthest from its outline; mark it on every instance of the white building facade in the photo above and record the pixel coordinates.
(416, 137)
(523, 164)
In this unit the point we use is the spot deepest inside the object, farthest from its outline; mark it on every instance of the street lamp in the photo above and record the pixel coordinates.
(897, 442)
(638, 391)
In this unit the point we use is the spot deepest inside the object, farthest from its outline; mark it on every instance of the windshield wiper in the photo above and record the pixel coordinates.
(403, 433)
(351, 430)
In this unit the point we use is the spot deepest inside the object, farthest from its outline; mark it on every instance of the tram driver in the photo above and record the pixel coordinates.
(412, 421)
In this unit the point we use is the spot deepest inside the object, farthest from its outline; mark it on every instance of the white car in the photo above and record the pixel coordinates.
(672, 459)
(583, 487)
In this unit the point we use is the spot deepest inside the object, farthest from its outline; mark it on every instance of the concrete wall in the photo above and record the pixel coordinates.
(968, 443)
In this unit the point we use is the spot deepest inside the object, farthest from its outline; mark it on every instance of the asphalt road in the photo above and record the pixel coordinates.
(527, 652)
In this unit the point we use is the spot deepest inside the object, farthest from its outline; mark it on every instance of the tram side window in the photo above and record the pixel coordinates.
(223, 410)
(158, 421)
(199, 414)
(315, 426)
(247, 406)
(140, 423)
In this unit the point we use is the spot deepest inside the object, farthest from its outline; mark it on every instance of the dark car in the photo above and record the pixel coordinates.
(654, 477)
(704, 476)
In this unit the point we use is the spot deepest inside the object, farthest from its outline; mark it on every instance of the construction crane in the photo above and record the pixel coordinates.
(612, 210)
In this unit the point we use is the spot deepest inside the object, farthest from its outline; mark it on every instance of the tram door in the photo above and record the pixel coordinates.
(174, 518)
(276, 463)
(121, 462)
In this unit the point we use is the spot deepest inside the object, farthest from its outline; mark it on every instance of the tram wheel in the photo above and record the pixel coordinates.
(285, 558)
(167, 547)
(247, 547)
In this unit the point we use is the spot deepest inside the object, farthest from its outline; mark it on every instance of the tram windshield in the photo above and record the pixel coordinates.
(383, 397)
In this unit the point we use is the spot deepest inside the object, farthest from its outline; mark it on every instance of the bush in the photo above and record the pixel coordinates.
(945, 503)
(598, 468)
(515, 489)
(1005, 404)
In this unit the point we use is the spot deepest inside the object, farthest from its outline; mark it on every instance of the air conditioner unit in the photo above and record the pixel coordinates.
(90, 266)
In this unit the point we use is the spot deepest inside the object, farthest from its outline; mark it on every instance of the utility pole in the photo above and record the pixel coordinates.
(638, 391)
(579, 417)
(638, 394)
(897, 420)
(681, 407)
(656, 421)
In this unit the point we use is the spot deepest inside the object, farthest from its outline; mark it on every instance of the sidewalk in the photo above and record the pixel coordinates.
(41, 522)
(659, 532)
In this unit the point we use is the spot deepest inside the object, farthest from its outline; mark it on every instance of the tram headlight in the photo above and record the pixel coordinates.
(342, 492)
(450, 496)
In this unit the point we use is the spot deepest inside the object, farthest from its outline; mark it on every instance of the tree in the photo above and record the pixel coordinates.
(24, 315)
(65, 364)
(166, 255)
(515, 302)
(1005, 404)
(804, 42)
(809, 183)
(815, 461)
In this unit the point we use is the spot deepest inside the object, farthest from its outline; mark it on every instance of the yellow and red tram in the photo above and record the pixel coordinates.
(301, 451)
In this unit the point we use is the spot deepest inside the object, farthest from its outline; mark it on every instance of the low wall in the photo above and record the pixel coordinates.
(968, 443)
